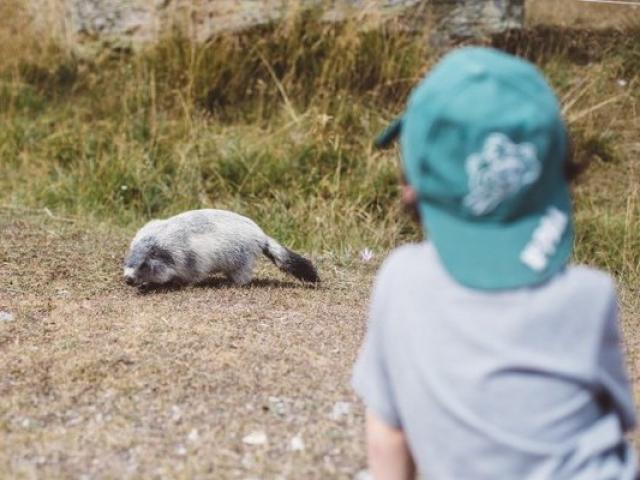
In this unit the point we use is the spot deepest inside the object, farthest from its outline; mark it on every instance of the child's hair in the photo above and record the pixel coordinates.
(573, 168)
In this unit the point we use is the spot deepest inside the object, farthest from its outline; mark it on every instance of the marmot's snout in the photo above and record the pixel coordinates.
(128, 278)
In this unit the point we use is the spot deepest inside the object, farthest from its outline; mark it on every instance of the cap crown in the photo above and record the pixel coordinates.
(483, 138)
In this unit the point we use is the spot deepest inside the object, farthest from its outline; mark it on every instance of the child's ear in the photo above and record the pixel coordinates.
(409, 200)
(409, 196)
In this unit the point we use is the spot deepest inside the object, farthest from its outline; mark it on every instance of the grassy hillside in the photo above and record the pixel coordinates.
(277, 123)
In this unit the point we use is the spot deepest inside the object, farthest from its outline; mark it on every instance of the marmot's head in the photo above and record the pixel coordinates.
(148, 263)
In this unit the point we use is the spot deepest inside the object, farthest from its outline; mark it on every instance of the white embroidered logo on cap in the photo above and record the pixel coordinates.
(545, 240)
(499, 171)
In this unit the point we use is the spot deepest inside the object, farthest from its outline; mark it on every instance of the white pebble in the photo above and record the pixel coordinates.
(193, 435)
(278, 406)
(363, 475)
(255, 438)
(340, 409)
(6, 316)
(176, 413)
(297, 444)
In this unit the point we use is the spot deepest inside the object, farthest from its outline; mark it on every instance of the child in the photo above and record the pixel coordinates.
(487, 356)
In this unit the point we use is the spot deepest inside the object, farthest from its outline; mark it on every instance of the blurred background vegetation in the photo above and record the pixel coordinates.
(277, 122)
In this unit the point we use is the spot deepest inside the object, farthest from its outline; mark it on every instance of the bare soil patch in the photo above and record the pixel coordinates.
(100, 381)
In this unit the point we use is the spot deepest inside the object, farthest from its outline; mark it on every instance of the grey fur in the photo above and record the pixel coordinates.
(193, 245)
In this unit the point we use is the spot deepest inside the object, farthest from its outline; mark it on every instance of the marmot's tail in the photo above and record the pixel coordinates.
(290, 262)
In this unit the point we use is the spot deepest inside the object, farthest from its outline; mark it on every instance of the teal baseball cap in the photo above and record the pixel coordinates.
(483, 145)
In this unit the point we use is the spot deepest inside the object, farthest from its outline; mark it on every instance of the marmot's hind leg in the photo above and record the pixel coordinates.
(244, 273)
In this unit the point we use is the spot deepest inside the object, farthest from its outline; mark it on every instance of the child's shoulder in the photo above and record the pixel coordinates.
(408, 252)
(410, 263)
(588, 281)
(590, 274)
(419, 263)
(408, 257)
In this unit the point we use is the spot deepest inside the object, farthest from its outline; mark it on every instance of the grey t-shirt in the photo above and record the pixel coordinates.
(519, 384)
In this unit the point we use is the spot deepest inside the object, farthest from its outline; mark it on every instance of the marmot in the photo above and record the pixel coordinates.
(191, 246)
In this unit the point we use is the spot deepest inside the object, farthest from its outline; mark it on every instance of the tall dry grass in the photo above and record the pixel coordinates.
(579, 14)
(277, 123)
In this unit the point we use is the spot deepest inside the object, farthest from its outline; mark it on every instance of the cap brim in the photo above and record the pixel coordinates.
(384, 139)
(486, 255)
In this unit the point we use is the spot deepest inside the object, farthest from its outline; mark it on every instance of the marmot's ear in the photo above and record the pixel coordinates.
(162, 254)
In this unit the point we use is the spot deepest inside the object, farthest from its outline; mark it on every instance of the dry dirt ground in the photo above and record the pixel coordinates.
(100, 381)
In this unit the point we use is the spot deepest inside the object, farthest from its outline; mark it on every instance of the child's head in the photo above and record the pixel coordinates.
(484, 146)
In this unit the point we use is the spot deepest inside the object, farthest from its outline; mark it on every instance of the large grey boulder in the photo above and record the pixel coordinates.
(476, 18)
(144, 21)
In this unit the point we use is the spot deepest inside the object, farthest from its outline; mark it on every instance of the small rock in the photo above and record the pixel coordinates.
(278, 406)
(73, 421)
(176, 413)
(255, 438)
(181, 450)
(193, 435)
(363, 475)
(26, 423)
(6, 316)
(297, 444)
(247, 462)
(622, 82)
(340, 409)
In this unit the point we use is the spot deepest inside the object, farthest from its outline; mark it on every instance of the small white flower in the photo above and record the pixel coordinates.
(324, 119)
(366, 255)
(123, 187)
(622, 82)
